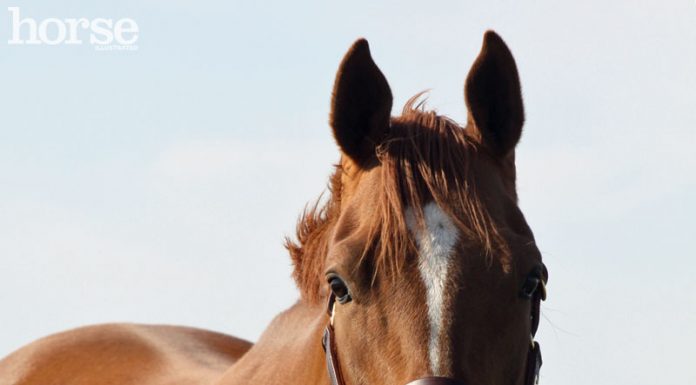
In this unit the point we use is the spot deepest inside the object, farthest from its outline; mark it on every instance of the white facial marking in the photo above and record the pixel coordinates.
(435, 246)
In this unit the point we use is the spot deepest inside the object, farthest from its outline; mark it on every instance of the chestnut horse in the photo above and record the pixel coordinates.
(429, 268)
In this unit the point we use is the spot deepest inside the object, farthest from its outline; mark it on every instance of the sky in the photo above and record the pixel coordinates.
(156, 185)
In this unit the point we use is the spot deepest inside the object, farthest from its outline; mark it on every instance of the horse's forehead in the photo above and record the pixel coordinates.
(436, 237)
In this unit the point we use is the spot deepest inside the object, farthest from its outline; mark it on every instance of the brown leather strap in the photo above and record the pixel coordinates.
(533, 365)
(328, 341)
(436, 381)
(332, 365)
(534, 360)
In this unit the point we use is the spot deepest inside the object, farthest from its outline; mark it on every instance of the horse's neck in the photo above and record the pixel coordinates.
(289, 351)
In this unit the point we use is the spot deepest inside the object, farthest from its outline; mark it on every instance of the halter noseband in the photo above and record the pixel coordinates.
(533, 355)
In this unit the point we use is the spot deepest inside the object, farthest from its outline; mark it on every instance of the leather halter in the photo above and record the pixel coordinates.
(533, 355)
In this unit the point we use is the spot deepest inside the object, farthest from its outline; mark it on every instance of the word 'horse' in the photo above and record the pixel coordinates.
(429, 269)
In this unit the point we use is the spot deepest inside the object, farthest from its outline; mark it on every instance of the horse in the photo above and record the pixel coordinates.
(418, 268)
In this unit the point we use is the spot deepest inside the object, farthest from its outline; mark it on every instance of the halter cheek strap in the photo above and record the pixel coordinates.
(436, 381)
(534, 360)
(329, 343)
(533, 355)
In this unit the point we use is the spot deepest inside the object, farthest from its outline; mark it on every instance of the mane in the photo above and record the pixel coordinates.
(426, 157)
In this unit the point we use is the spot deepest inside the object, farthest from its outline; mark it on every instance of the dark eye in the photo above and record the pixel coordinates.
(339, 289)
(530, 286)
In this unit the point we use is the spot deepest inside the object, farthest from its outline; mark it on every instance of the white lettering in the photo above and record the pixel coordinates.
(103, 33)
(126, 26)
(17, 23)
(60, 28)
(74, 25)
(101, 27)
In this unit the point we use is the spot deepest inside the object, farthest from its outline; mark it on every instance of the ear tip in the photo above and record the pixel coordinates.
(361, 42)
(358, 55)
(492, 39)
(490, 35)
(360, 46)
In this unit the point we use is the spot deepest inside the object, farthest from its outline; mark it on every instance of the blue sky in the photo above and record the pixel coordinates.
(157, 185)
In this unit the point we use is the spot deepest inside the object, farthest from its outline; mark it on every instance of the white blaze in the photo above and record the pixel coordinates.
(436, 244)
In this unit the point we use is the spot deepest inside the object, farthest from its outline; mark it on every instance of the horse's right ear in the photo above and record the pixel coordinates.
(494, 97)
(361, 105)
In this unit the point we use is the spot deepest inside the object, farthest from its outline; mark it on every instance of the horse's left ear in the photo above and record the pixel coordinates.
(494, 97)
(361, 105)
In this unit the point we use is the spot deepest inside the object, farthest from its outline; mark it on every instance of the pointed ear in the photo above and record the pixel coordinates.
(361, 105)
(494, 97)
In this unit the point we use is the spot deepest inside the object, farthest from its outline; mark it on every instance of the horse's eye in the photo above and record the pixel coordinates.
(530, 287)
(339, 288)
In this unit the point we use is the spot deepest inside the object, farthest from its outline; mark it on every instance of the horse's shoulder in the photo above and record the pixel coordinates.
(287, 345)
(123, 354)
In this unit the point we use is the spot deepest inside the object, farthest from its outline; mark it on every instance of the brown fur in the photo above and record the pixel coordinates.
(424, 157)
(123, 354)
(388, 166)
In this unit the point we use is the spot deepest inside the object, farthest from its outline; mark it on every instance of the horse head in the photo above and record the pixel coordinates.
(429, 264)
